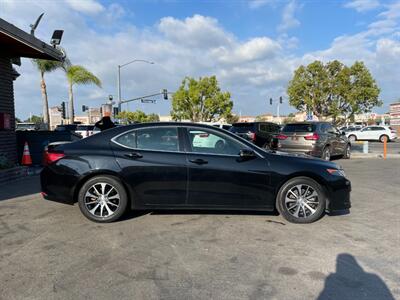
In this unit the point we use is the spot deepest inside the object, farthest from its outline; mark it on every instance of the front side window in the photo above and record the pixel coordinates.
(210, 142)
(156, 138)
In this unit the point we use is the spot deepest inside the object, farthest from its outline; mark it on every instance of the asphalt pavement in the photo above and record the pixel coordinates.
(49, 250)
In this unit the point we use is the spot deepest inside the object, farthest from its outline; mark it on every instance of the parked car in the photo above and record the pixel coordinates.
(26, 127)
(260, 133)
(320, 139)
(85, 130)
(160, 166)
(223, 126)
(373, 133)
(66, 127)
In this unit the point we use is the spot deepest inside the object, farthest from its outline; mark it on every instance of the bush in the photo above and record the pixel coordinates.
(5, 163)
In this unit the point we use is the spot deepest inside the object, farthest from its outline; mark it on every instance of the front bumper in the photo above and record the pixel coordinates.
(338, 195)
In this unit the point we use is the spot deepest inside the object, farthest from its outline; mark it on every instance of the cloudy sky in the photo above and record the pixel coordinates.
(251, 46)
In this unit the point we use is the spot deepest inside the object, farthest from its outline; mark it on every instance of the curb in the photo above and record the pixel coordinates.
(373, 155)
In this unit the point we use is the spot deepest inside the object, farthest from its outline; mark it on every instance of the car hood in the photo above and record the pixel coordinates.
(304, 158)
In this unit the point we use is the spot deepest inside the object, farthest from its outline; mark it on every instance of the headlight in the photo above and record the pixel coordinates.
(336, 172)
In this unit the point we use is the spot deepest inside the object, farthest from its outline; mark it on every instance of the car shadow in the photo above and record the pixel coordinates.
(342, 212)
(351, 282)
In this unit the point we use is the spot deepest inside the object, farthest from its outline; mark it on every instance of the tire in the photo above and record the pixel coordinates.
(383, 137)
(347, 152)
(326, 153)
(352, 138)
(103, 209)
(286, 196)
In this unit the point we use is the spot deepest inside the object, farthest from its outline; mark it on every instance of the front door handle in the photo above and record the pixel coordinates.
(134, 155)
(198, 161)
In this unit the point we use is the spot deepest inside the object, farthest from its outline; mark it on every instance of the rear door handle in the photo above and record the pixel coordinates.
(134, 155)
(198, 161)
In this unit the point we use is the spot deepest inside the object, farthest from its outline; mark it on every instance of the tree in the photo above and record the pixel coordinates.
(231, 118)
(34, 119)
(45, 66)
(333, 90)
(137, 116)
(77, 74)
(200, 100)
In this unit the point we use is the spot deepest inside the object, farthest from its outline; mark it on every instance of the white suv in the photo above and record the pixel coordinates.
(373, 133)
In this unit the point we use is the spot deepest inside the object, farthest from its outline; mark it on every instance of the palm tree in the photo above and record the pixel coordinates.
(45, 66)
(78, 75)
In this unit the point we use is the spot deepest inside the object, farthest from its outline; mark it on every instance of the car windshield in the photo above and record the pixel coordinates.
(299, 128)
(242, 127)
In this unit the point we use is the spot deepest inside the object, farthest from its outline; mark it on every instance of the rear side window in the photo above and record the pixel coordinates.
(161, 139)
(299, 128)
(243, 127)
(269, 128)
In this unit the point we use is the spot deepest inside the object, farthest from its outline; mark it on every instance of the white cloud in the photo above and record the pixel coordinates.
(362, 5)
(392, 12)
(253, 70)
(85, 6)
(289, 20)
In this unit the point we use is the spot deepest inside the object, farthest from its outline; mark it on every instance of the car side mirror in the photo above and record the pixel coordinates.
(246, 153)
(343, 132)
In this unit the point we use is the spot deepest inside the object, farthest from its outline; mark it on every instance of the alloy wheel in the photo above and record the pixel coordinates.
(326, 154)
(302, 201)
(102, 200)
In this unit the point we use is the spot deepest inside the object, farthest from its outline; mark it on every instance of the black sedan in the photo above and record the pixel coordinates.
(188, 166)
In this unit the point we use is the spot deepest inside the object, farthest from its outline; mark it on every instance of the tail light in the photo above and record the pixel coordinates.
(312, 137)
(281, 137)
(50, 157)
(252, 136)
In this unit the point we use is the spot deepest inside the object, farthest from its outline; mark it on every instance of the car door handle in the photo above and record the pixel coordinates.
(134, 155)
(198, 161)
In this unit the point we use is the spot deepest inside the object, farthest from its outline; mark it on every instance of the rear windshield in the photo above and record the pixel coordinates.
(242, 127)
(299, 128)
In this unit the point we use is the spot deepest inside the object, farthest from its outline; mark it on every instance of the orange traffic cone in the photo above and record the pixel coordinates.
(26, 157)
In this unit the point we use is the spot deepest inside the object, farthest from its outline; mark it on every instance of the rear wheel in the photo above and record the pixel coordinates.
(383, 137)
(301, 200)
(102, 199)
(326, 153)
(352, 138)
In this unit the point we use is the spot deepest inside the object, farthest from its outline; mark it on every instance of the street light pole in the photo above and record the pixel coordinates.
(119, 79)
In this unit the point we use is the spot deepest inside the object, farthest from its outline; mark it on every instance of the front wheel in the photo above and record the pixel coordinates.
(347, 152)
(102, 199)
(301, 200)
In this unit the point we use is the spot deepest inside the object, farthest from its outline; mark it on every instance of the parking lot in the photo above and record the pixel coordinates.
(50, 251)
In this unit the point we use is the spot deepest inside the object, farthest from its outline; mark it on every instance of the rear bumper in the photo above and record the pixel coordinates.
(56, 186)
(309, 151)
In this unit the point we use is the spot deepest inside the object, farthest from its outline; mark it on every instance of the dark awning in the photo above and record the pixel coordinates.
(15, 42)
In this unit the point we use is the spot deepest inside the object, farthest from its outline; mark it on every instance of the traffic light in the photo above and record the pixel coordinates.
(165, 93)
(270, 101)
(63, 112)
(85, 108)
(115, 111)
(280, 100)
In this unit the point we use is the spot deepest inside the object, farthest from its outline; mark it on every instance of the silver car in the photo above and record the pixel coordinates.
(320, 139)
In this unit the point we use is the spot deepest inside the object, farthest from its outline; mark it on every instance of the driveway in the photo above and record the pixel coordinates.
(49, 250)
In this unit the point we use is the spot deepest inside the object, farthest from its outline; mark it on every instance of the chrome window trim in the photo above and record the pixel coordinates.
(182, 152)
(141, 149)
